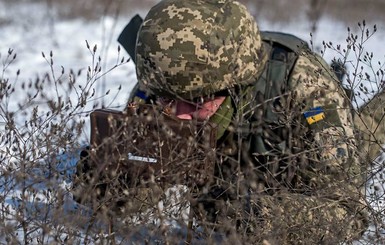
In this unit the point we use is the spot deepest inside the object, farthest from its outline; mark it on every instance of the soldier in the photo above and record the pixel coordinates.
(286, 169)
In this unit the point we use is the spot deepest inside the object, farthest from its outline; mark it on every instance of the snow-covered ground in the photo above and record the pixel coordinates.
(37, 33)
(29, 30)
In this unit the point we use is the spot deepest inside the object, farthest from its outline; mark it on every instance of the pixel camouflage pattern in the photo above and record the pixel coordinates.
(176, 57)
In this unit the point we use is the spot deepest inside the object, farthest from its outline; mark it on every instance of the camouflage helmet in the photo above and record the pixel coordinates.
(192, 48)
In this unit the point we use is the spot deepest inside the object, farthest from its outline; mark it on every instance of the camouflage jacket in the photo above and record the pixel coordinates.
(305, 186)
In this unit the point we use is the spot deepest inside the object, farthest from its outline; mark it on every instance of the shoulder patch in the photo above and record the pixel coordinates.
(314, 115)
(322, 117)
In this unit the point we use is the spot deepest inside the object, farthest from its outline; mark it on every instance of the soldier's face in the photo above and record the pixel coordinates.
(200, 110)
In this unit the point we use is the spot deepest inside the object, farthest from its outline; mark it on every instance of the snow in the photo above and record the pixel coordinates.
(30, 37)
(30, 30)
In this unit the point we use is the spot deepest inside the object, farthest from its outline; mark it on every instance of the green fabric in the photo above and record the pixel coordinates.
(268, 90)
(290, 41)
(331, 119)
(223, 117)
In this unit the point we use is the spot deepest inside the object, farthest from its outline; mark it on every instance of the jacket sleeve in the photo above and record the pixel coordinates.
(370, 124)
(333, 208)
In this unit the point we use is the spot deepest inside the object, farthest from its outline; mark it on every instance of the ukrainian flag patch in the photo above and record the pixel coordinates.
(314, 115)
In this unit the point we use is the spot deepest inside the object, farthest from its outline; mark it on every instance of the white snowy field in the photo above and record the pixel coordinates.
(29, 30)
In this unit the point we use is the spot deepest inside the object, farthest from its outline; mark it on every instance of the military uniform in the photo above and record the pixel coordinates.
(287, 169)
(371, 126)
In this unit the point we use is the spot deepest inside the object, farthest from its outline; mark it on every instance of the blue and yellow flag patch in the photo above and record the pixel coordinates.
(314, 115)
(140, 97)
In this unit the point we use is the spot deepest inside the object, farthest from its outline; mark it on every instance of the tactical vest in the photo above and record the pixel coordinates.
(270, 87)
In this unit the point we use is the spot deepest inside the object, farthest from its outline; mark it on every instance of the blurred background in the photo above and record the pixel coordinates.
(37, 25)
(275, 11)
(51, 21)
(347, 11)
